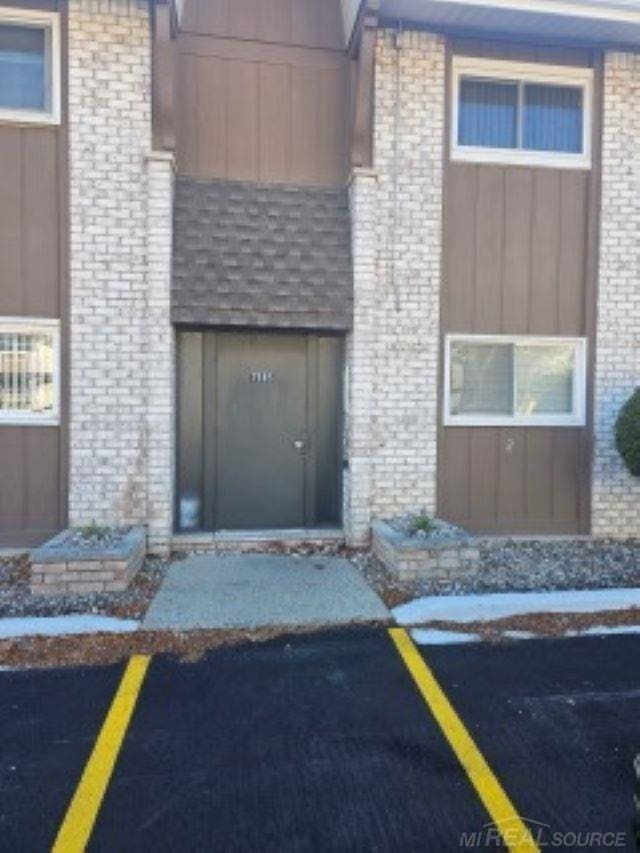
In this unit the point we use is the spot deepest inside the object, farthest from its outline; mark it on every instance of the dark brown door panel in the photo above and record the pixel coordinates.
(259, 417)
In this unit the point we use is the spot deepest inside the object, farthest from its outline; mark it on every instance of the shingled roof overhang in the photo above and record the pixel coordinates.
(603, 22)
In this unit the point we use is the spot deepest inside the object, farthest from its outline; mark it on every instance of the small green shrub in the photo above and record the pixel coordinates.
(94, 531)
(628, 433)
(422, 523)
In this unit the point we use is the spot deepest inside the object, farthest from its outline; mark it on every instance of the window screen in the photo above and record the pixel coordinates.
(552, 118)
(515, 380)
(27, 372)
(24, 83)
(481, 379)
(488, 113)
(544, 379)
(516, 115)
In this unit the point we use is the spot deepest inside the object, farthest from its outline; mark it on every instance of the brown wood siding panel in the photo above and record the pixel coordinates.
(242, 120)
(517, 243)
(460, 198)
(275, 122)
(309, 23)
(489, 255)
(33, 283)
(517, 250)
(41, 222)
(29, 222)
(11, 292)
(30, 496)
(256, 109)
(545, 251)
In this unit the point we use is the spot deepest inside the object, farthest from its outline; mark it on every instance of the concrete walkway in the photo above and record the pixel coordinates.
(256, 591)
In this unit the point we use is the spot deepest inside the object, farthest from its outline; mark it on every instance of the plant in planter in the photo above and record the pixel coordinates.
(423, 524)
(627, 433)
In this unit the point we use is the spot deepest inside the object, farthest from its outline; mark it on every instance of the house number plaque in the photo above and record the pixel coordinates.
(261, 376)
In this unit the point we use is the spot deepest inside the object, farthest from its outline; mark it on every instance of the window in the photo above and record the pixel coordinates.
(29, 372)
(504, 381)
(506, 112)
(29, 67)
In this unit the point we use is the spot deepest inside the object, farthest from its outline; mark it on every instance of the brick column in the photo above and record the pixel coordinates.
(161, 355)
(616, 494)
(360, 350)
(396, 220)
(120, 243)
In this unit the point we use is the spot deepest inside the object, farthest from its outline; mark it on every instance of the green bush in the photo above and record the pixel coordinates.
(422, 523)
(628, 433)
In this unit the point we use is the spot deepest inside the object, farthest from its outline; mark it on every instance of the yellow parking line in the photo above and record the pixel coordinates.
(515, 834)
(76, 828)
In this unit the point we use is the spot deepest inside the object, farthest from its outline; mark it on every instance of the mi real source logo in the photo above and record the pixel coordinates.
(516, 833)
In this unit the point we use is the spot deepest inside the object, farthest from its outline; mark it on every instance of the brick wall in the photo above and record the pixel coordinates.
(120, 239)
(396, 243)
(616, 495)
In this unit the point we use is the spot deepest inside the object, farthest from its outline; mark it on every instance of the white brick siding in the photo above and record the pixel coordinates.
(397, 228)
(616, 494)
(121, 422)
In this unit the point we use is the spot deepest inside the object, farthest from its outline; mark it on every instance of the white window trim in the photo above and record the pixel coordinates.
(36, 326)
(527, 72)
(578, 416)
(51, 22)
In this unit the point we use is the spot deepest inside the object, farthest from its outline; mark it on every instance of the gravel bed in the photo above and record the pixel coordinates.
(16, 600)
(577, 564)
(441, 531)
(511, 566)
(100, 538)
(522, 566)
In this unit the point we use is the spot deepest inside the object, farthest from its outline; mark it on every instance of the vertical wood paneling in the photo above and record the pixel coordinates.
(569, 455)
(518, 205)
(308, 23)
(188, 114)
(453, 477)
(460, 191)
(511, 498)
(263, 92)
(207, 17)
(483, 473)
(516, 243)
(30, 495)
(41, 475)
(545, 250)
(244, 20)
(539, 465)
(572, 264)
(11, 292)
(241, 86)
(331, 139)
(41, 222)
(276, 22)
(33, 283)
(305, 125)
(489, 254)
(274, 104)
(211, 111)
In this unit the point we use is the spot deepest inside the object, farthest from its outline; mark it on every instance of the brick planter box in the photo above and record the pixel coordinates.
(61, 567)
(412, 557)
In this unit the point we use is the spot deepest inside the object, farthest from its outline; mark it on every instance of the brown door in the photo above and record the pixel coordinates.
(262, 435)
(260, 430)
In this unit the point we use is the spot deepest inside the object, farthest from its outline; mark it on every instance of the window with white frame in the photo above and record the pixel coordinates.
(29, 371)
(529, 113)
(514, 381)
(29, 66)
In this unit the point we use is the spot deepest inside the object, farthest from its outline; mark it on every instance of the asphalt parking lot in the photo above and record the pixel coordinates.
(328, 742)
